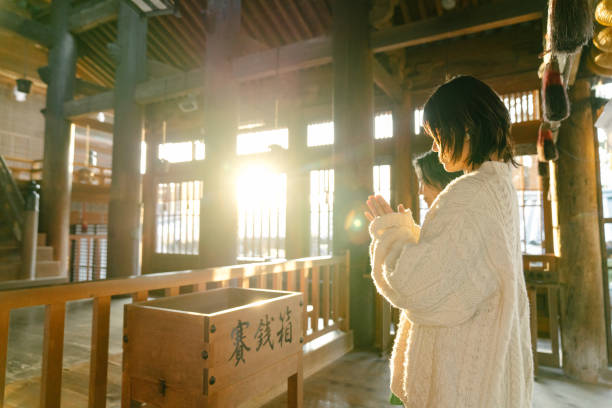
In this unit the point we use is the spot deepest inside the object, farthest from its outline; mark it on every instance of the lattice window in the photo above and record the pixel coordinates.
(262, 206)
(178, 217)
(321, 211)
(260, 142)
(382, 181)
(181, 152)
(523, 106)
(383, 126)
(526, 182)
(320, 134)
(88, 252)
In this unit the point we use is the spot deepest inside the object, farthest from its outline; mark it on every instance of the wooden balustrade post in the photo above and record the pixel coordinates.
(291, 281)
(305, 299)
(345, 326)
(140, 296)
(98, 363)
(277, 281)
(316, 308)
(4, 331)
(336, 293)
(262, 281)
(325, 297)
(97, 266)
(53, 352)
(173, 291)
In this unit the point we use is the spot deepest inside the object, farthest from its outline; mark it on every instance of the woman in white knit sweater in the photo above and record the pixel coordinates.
(459, 278)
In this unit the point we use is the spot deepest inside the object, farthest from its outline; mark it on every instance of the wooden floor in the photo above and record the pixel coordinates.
(359, 379)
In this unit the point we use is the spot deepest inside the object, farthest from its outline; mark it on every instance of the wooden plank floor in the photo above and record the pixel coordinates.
(358, 379)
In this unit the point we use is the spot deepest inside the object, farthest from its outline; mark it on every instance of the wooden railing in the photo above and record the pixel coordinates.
(27, 170)
(322, 280)
(542, 279)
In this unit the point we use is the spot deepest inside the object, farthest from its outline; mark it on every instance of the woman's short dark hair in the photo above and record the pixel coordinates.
(431, 171)
(467, 106)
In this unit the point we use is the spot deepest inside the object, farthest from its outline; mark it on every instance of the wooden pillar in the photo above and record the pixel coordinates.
(124, 206)
(574, 186)
(353, 113)
(298, 188)
(218, 219)
(59, 140)
(404, 178)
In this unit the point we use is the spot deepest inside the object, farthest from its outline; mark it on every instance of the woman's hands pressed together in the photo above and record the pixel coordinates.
(379, 206)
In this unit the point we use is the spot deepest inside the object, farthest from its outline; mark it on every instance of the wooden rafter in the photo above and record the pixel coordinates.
(280, 6)
(278, 24)
(30, 29)
(271, 36)
(317, 51)
(300, 18)
(314, 17)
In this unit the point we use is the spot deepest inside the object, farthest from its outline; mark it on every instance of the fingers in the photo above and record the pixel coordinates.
(383, 205)
(372, 206)
(401, 209)
(369, 216)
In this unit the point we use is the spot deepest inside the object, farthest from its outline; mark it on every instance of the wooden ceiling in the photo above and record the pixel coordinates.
(180, 41)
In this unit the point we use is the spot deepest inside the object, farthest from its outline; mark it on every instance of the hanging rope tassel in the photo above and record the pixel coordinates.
(556, 106)
(547, 150)
(571, 25)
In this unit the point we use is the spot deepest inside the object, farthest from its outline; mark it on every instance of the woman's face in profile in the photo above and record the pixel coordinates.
(429, 192)
(446, 158)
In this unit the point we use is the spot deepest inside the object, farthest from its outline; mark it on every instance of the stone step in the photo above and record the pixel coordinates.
(44, 269)
(12, 253)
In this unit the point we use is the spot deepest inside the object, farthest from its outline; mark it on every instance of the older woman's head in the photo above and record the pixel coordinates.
(432, 176)
(469, 124)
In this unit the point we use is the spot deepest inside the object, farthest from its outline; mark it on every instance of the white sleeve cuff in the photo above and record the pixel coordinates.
(381, 223)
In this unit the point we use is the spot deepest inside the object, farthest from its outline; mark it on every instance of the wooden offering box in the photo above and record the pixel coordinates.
(212, 349)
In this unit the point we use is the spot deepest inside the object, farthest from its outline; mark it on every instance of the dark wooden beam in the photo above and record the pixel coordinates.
(30, 29)
(456, 24)
(93, 14)
(318, 51)
(387, 82)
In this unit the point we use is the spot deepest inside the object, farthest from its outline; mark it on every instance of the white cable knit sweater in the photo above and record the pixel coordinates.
(459, 281)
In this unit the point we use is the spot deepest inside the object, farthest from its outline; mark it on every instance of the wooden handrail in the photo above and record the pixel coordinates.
(334, 282)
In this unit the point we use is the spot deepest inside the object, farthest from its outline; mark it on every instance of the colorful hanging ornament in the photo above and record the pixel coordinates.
(571, 25)
(547, 150)
(542, 168)
(556, 106)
